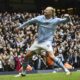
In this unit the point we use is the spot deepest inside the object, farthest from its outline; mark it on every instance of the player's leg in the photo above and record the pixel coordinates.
(28, 54)
(59, 62)
(49, 49)
(25, 61)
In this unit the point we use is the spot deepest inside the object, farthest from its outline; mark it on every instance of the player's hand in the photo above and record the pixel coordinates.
(67, 16)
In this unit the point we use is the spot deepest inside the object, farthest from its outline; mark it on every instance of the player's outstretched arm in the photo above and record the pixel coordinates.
(65, 19)
(33, 20)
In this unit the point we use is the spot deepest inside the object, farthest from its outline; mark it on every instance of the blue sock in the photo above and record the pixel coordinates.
(59, 62)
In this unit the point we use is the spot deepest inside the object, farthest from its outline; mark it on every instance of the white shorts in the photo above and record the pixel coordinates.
(47, 45)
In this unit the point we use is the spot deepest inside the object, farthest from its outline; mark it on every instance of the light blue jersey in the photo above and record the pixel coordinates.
(46, 27)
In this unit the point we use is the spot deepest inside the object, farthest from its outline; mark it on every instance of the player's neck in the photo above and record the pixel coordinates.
(48, 17)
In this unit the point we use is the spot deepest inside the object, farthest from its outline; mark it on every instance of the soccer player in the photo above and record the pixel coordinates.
(46, 27)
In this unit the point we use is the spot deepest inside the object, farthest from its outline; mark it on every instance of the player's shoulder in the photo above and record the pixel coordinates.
(40, 17)
(57, 19)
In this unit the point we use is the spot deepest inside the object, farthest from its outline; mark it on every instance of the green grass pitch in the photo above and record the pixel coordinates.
(44, 76)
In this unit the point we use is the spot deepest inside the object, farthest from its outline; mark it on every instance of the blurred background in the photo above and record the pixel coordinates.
(38, 5)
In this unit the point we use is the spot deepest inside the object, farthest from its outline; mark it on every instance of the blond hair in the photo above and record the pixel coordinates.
(52, 9)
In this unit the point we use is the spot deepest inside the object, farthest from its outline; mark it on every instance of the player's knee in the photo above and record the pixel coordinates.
(51, 54)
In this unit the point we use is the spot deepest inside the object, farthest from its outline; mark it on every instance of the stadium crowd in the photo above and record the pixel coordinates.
(14, 45)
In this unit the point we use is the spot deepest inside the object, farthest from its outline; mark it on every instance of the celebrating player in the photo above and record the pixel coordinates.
(46, 27)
